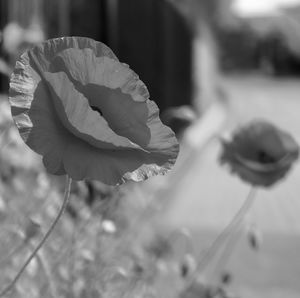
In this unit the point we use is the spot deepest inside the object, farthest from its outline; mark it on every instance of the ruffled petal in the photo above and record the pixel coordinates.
(41, 56)
(37, 120)
(110, 86)
(163, 140)
(65, 153)
(112, 167)
(78, 117)
(85, 67)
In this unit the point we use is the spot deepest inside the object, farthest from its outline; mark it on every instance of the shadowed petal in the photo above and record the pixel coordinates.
(41, 56)
(259, 137)
(112, 167)
(260, 153)
(41, 129)
(112, 87)
(163, 139)
(83, 66)
(76, 114)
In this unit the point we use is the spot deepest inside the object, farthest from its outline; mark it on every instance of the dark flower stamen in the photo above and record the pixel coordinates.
(264, 157)
(94, 108)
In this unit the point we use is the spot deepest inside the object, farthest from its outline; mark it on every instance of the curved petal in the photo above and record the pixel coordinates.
(262, 137)
(163, 139)
(76, 114)
(124, 116)
(104, 81)
(260, 153)
(41, 129)
(110, 86)
(258, 178)
(41, 55)
(112, 167)
(65, 153)
(85, 67)
(286, 161)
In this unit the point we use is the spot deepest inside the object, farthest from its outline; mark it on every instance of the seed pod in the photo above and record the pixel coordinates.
(254, 239)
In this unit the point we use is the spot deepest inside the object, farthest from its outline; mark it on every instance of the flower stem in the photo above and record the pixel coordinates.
(33, 254)
(228, 250)
(217, 243)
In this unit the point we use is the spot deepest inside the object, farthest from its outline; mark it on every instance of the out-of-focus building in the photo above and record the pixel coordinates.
(266, 33)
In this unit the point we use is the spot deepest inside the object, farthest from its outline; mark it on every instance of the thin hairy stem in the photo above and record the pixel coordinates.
(33, 254)
(217, 243)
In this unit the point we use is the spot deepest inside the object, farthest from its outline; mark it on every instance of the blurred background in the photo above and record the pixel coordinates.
(164, 40)
(193, 55)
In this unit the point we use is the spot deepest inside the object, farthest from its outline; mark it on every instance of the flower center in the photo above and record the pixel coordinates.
(264, 157)
(94, 108)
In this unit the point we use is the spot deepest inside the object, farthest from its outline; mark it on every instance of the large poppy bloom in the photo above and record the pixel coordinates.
(260, 153)
(87, 114)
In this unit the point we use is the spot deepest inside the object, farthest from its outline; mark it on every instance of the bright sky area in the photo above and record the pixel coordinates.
(261, 7)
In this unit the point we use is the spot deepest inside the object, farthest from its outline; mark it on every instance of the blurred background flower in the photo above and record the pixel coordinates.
(260, 153)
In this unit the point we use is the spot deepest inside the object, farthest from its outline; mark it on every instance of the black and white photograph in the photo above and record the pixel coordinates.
(149, 148)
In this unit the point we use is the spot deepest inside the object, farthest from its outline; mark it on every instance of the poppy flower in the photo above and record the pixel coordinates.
(260, 153)
(87, 114)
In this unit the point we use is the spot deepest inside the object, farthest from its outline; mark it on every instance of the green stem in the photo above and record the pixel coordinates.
(33, 254)
(214, 247)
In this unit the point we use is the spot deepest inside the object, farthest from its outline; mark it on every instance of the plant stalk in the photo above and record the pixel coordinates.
(214, 247)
